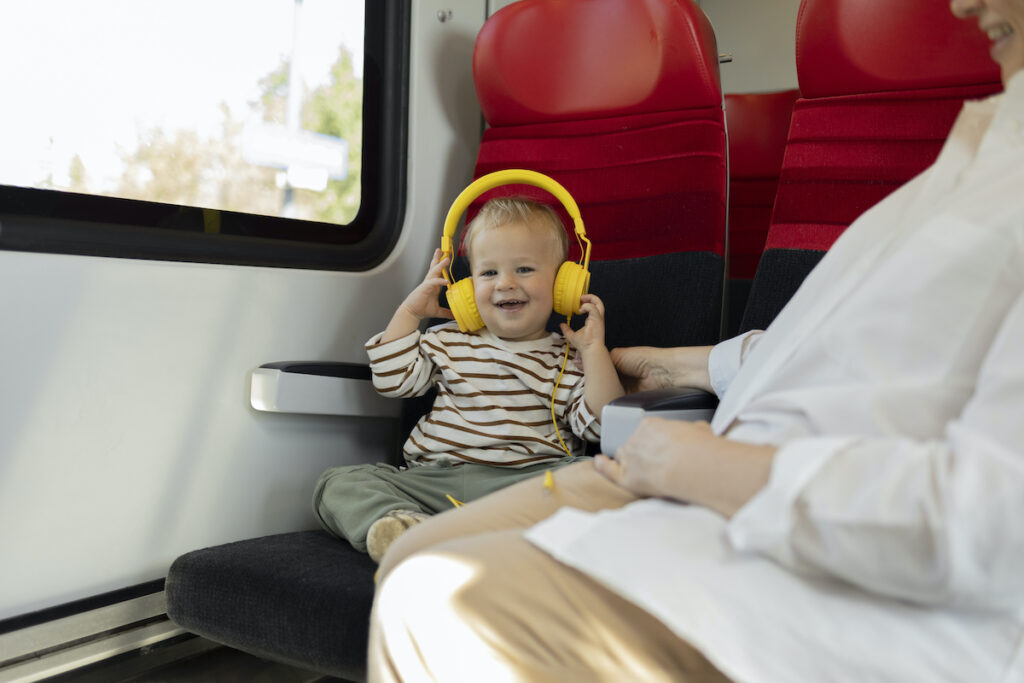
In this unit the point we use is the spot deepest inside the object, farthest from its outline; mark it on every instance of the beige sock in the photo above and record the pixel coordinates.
(385, 530)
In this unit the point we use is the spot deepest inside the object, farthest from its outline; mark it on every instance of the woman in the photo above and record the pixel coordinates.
(854, 512)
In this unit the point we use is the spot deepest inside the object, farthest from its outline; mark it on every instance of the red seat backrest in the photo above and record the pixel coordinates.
(619, 101)
(881, 83)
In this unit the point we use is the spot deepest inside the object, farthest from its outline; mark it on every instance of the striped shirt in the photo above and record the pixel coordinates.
(493, 400)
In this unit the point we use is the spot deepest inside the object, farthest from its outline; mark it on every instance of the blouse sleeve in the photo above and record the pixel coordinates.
(726, 358)
(931, 521)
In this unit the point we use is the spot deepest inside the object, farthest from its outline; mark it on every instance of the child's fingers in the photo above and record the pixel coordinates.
(437, 270)
(593, 300)
(435, 282)
(437, 259)
(592, 311)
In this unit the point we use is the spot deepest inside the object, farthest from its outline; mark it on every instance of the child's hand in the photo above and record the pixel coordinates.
(422, 301)
(591, 335)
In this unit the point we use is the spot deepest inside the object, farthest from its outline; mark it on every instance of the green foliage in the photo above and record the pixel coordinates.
(180, 167)
(337, 109)
(273, 94)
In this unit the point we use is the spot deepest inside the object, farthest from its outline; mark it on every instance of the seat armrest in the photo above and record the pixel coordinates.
(620, 417)
(319, 388)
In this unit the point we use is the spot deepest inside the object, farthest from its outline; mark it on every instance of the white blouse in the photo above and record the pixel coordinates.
(889, 543)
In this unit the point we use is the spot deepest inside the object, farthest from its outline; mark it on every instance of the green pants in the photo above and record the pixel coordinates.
(348, 499)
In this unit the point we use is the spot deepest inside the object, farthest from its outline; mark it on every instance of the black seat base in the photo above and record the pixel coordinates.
(300, 598)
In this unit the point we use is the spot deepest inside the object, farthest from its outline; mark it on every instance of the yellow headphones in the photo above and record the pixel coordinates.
(572, 280)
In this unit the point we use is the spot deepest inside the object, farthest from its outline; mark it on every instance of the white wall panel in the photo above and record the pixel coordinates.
(126, 435)
(761, 37)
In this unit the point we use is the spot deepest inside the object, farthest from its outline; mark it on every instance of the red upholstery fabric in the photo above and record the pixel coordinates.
(881, 84)
(646, 184)
(864, 46)
(845, 154)
(758, 124)
(618, 100)
(582, 59)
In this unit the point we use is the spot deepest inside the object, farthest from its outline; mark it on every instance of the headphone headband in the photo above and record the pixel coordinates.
(510, 176)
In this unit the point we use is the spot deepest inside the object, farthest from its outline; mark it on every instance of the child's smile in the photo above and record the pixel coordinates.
(514, 269)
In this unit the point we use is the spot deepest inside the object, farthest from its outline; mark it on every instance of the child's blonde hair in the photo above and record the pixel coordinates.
(504, 210)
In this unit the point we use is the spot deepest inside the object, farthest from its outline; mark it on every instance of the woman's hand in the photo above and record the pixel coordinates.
(642, 368)
(645, 463)
(686, 461)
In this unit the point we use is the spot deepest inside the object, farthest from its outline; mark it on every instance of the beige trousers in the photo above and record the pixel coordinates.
(463, 597)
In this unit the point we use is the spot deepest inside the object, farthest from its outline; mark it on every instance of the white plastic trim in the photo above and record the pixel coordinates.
(288, 392)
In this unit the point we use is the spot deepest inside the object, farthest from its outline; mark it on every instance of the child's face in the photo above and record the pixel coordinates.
(514, 268)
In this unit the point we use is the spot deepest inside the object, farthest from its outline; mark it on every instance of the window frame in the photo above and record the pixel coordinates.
(60, 222)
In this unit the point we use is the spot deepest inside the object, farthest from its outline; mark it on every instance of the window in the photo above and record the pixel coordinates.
(225, 131)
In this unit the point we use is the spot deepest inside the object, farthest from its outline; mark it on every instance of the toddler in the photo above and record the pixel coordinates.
(491, 424)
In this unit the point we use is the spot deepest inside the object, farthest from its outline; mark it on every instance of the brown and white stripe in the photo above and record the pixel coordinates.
(493, 396)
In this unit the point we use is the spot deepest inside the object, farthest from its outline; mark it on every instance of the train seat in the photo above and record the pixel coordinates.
(873, 110)
(877, 99)
(758, 124)
(634, 129)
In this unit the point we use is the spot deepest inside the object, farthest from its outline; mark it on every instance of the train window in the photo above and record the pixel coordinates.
(268, 133)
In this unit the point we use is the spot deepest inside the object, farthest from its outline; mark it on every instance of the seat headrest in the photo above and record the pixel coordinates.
(862, 46)
(557, 60)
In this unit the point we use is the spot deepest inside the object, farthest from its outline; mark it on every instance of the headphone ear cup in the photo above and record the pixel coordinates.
(462, 302)
(572, 282)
